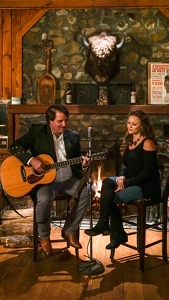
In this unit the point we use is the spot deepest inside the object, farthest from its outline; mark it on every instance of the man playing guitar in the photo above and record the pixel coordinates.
(60, 144)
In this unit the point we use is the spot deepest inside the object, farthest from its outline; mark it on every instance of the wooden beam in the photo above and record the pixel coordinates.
(18, 48)
(18, 73)
(165, 11)
(91, 109)
(7, 54)
(16, 25)
(1, 67)
(26, 15)
(32, 21)
(38, 4)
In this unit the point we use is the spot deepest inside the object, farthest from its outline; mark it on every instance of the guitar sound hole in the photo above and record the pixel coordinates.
(36, 173)
(33, 178)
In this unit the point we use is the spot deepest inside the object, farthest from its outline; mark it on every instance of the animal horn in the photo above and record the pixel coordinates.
(85, 43)
(121, 44)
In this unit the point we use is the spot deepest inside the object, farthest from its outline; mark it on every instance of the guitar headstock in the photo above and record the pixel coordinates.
(100, 155)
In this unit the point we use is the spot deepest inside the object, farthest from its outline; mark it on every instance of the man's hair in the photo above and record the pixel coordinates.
(51, 112)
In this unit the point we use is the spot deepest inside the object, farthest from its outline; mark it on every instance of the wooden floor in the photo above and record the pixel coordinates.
(57, 277)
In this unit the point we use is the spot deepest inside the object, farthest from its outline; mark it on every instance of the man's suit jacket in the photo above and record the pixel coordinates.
(39, 140)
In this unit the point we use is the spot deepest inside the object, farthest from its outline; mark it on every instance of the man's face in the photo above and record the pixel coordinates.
(59, 124)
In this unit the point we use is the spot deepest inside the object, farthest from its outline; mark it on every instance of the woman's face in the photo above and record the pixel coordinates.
(133, 125)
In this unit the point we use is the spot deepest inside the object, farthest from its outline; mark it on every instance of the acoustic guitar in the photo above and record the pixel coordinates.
(18, 180)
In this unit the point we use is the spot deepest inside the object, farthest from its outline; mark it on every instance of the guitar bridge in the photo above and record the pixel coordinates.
(23, 174)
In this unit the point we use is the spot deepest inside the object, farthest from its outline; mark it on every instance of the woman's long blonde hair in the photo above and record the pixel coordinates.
(146, 130)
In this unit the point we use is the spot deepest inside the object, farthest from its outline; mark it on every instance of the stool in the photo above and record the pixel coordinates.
(141, 223)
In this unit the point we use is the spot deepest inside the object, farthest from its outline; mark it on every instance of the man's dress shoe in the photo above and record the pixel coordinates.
(71, 238)
(46, 246)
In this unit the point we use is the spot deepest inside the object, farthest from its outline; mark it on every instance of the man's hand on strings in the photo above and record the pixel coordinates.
(86, 160)
(37, 165)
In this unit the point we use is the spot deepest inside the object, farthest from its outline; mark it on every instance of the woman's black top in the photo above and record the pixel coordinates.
(140, 168)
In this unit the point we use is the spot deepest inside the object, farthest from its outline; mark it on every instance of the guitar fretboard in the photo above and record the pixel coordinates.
(65, 163)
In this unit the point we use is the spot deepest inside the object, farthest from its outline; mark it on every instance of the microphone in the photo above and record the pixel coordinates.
(89, 132)
(94, 266)
(90, 139)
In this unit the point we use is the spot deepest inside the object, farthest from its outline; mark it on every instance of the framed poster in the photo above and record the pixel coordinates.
(158, 83)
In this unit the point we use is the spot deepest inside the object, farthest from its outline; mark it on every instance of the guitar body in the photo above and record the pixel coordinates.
(18, 180)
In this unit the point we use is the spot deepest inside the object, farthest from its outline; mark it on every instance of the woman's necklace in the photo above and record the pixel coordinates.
(135, 143)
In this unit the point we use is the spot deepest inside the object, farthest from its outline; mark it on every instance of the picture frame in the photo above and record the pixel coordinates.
(158, 83)
(119, 93)
(84, 93)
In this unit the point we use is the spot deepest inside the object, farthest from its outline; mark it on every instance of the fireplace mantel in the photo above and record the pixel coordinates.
(14, 112)
(91, 109)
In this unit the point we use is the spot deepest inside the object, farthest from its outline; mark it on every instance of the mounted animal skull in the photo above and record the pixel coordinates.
(103, 55)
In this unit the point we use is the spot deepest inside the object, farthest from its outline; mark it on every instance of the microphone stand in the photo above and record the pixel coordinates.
(94, 266)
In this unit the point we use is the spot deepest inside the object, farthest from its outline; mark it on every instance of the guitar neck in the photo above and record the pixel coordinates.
(65, 163)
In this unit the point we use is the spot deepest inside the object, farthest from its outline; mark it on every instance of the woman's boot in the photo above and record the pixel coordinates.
(102, 227)
(120, 236)
(107, 196)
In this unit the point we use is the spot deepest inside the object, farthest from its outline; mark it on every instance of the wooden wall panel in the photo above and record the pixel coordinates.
(30, 22)
(16, 26)
(1, 69)
(13, 25)
(36, 15)
(7, 54)
(18, 71)
(165, 11)
(27, 15)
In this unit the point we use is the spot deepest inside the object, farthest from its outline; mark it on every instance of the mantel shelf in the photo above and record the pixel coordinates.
(14, 112)
(4, 151)
(92, 109)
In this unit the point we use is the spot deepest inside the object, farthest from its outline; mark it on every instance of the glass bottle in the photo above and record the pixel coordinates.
(133, 94)
(68, 95)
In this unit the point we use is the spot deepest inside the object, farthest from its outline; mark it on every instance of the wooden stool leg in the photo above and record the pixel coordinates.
(164, 230)
(35, 237)
(112, 235)
(77, 236)
(141, 235)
